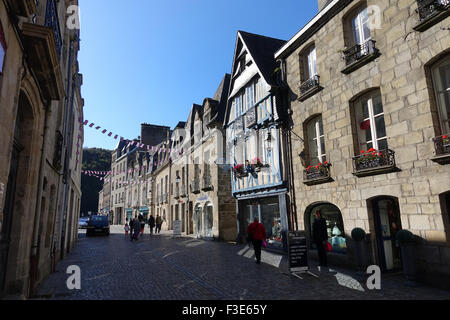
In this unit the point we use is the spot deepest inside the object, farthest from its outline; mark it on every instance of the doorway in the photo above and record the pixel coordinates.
(387, 223)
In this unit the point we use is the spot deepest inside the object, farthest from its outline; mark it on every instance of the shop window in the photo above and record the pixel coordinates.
(2, 48)
(370, 124)
(315, 141)
(335, 226)
(268, 213)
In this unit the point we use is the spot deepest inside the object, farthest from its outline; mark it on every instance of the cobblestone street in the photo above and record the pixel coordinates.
(161, 268)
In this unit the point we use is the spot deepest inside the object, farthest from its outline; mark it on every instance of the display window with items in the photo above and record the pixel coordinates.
(268, 212)
(335, 226)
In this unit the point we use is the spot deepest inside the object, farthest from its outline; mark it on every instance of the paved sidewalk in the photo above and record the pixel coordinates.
(160, 267)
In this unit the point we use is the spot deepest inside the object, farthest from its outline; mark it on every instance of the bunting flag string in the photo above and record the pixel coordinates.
(116, 136)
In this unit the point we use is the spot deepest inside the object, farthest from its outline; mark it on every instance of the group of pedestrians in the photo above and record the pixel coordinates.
(136, 226)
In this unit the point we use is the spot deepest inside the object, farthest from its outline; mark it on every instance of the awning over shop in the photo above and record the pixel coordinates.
(129, 213)
(144, 211)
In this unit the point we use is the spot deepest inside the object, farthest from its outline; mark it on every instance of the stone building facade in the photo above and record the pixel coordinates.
(370, 127)
(161, 192)
(211, 206)
(40, 141)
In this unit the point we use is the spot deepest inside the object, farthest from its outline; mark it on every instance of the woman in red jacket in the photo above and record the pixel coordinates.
(257, 234)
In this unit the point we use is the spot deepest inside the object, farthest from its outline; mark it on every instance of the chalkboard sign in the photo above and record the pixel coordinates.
(177, 228)
(298, 251)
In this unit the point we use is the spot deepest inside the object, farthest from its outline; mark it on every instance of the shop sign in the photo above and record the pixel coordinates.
(177, 228)
(298, 251)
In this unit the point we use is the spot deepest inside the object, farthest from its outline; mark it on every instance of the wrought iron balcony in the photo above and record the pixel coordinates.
(431, 12)
(358, 55)
(374, 162)
(317, 174)
(52, 21)
(195, 186)
(309, 88)
(442, 147)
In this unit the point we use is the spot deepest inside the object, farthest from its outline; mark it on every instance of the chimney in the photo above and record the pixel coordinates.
(323, 4)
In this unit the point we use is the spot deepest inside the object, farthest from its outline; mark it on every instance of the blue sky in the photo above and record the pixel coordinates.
(149, 61)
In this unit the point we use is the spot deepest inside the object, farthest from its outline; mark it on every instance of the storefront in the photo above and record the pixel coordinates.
(129, 213)
(144, 211)
(335, 226)
(271, 212)
(203, 220)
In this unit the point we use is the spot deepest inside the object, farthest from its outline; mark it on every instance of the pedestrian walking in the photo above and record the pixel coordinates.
(141, 223)
(257, 232)
(127, 228)
(158, 224)
(151, 223)
(320, 237)
(131, 229)
(135, 230)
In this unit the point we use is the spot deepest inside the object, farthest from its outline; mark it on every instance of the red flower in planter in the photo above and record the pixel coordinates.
(362, 152)
(444, 137)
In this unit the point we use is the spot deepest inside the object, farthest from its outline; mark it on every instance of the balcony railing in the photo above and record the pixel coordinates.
(431, 12)
(309, 87)
(428, 8)
(374, 162)
(317, 174)
(442, 148)
(358, 55)
(51, 20)
(195, 186)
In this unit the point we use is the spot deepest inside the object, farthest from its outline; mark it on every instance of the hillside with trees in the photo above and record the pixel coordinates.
(94, 159)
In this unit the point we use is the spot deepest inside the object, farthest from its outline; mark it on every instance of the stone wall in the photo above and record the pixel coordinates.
(401, 75)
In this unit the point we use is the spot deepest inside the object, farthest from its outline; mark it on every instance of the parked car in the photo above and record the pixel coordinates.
(98, 225)
(83, 223)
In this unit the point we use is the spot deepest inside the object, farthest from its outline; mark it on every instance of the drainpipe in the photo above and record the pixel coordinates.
(54, 245)
(289, 153)
(68, 112)
(34, 258)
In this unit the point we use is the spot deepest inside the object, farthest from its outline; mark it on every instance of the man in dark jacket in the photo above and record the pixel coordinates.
(151, 223)
(257, 232)
(131, 228)
(320, 237)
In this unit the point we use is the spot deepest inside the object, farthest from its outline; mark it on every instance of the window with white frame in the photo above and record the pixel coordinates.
(370, 124)
(310, 63)
(316, 141)
(441, 84)
(360, 26)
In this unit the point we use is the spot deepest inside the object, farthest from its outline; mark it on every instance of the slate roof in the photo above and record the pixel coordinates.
(263, 49)
(221, 96)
